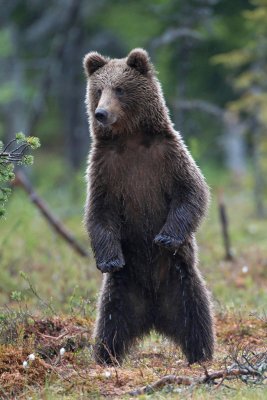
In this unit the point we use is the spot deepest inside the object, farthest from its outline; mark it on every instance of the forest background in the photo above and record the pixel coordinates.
(211, 58)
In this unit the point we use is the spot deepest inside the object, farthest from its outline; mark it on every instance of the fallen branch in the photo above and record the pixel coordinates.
(247, 366)
(188, 381)
(21, 180)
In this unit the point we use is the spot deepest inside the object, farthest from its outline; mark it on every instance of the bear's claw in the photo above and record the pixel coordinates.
(115, 264)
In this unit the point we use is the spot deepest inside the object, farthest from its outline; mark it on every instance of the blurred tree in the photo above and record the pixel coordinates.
(248, 67)
(42, 85)
(191, 35)
(183, 32)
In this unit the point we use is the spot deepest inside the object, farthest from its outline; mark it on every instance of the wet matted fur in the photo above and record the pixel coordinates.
(146, 199)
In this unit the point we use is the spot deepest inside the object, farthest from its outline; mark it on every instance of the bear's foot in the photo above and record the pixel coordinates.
(197, 351)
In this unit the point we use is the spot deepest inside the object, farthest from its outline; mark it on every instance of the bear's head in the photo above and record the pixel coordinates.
(124, 95)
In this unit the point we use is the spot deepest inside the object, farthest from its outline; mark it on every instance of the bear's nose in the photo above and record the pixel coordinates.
(101, 115)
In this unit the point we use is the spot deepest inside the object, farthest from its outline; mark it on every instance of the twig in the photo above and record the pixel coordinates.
(23, 146)
(219, 384)
(71, 334)
(54, 369)
(21, 180)
(52, 337)
(9, 144)
(15, 155)
(36, 294)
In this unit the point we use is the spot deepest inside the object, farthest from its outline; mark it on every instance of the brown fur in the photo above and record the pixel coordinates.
(146, 198)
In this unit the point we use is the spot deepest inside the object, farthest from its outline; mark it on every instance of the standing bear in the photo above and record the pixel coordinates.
(146, 199)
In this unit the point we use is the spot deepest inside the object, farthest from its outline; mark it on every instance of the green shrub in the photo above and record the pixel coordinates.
(14, 153)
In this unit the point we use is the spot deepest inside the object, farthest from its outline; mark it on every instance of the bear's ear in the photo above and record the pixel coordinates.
(93, 61)
(139, 60)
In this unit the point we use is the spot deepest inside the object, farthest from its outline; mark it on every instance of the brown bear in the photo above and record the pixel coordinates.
(146, 198)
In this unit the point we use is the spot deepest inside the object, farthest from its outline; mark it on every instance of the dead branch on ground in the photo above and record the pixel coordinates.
(21, 180)
(247, 366)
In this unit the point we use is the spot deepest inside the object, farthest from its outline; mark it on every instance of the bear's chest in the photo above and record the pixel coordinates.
(139, 175)
(136, 165)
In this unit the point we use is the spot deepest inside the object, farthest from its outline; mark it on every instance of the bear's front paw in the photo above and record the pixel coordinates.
(114, 264)
(170, 243)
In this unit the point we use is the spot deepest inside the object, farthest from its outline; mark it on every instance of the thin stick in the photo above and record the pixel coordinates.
(225, 227)
(21, 180)
(23, 145)
(9, 144)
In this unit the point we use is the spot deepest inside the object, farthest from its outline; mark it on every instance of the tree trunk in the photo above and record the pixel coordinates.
(259, 181)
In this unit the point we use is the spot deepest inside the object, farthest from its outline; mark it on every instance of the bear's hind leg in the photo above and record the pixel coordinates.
(121, 319)
(185, 309)
(195, 333)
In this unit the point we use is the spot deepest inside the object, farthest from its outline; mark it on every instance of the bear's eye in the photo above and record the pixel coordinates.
(119, 91)
(99, 91)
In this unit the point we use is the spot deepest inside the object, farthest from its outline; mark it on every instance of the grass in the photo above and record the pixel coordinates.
(49, 294)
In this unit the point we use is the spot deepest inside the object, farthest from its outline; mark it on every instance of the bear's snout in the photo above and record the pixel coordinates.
(105, 117)
(101, 115)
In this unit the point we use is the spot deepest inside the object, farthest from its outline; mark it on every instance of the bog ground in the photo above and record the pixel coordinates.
(49, 293)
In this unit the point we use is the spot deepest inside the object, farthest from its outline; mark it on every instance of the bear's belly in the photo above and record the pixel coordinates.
(139, 177)
(144, 210)
(143, 213)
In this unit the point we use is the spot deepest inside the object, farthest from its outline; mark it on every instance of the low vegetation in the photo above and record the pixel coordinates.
(49, 296)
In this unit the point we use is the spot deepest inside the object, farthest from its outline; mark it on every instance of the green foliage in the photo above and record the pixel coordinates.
(12, 153)
(16, 296)
(249, 64)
